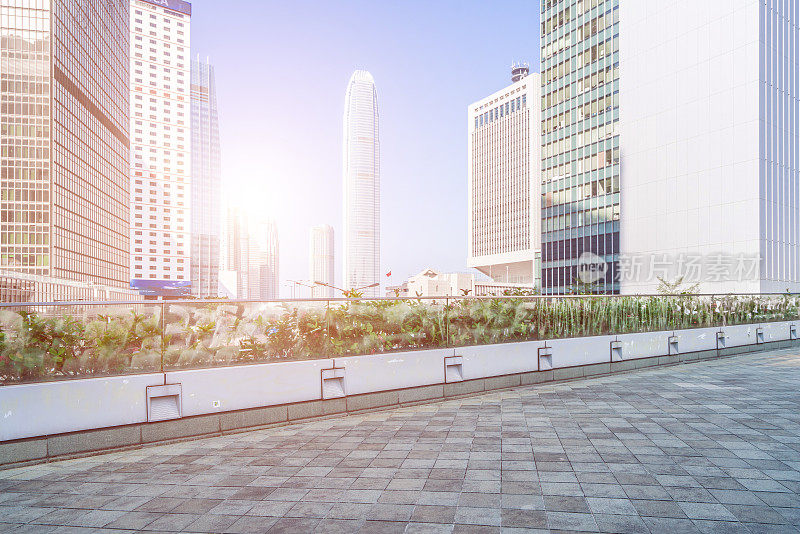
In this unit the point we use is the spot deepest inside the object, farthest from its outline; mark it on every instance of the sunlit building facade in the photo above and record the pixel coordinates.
(503, 182)
(64, 141)
(321, 260)
(206, 181)
(362, 225)
(266, 261)
(710, 133)
(236, 251)
(161, 143)
(251, 255)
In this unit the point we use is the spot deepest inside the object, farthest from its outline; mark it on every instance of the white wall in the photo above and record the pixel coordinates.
(29, 410)
(69, 405)
(689, 136)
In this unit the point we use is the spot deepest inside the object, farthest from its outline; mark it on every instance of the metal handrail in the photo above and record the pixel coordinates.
(374, 299)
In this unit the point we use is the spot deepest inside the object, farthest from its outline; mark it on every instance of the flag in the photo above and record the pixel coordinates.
(389, 274)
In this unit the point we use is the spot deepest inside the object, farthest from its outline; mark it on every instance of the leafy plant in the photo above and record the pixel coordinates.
(37, 346)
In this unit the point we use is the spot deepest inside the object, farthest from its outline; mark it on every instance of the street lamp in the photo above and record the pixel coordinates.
(347, 292)
(298, 283)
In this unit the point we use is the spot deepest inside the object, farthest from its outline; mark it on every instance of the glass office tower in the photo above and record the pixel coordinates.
(206, 181)
(64, 129)
(580, 145)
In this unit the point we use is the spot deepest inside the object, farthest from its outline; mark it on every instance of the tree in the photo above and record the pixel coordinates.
(674, 288)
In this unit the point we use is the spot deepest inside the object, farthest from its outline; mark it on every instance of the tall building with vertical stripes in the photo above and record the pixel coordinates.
(362, 186)
(161, 145)
(580, 169)
(64, 158)
(503, 182)
(321, 266)
(206, 181)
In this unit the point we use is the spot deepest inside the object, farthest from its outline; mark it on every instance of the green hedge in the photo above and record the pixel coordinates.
(67, 343)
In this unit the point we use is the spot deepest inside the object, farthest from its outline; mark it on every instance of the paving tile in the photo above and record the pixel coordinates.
(251, 525)
(173, 522)
(701, 510)
(571, 521)
(477, 516)
(133, 520)
(621, 524)
(652, 508)
(516, 518)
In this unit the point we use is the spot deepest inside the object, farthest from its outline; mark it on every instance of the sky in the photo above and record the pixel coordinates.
(282, 70)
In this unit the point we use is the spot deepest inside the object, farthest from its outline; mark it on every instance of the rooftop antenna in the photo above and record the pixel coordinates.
(519, 70)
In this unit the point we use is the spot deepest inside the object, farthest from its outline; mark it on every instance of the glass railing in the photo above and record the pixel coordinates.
(47, 341)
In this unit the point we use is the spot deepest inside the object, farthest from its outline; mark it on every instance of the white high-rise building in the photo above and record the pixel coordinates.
(709, 130)
(504, 240)
(320, 267)
(161, 142)
(362, 214)
(670, 145)
(206, 181)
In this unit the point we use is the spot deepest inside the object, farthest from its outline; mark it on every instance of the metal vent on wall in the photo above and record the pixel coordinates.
(163, 402)
(333, 385)
(453, 369)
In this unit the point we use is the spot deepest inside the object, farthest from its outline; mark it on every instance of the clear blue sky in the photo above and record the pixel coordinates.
(282, 69)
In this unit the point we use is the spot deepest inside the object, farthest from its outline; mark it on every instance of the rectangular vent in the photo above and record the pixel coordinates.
(545, 358)
(672, 344)
(163, 402)
(453, 369)
(721, 337)
(333, 385)
(616, 351)
(759, 336)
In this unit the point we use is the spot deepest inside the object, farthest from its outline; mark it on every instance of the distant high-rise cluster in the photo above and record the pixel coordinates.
(362, 213)
(251, 255)
(321, 261)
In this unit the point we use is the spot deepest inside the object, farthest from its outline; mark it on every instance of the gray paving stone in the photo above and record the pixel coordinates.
(711, 446)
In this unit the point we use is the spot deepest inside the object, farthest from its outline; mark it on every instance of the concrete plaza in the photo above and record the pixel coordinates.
(712, 446)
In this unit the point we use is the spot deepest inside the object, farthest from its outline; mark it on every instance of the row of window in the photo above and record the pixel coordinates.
(498, 112)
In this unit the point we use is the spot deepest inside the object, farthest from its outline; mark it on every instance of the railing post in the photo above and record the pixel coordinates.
(328, 340)
(447, 322)
(163, 338)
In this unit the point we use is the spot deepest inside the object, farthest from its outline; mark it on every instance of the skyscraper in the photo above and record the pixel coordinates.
(320, 267)
(504, 183)
(206, 181)
(670, 144)
(362, 213)
(268, 260)
(64, 126)
(580, 141)
(161, 145)
(236, 250)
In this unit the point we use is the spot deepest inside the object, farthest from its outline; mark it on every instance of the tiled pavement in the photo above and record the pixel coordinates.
(704, 447)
